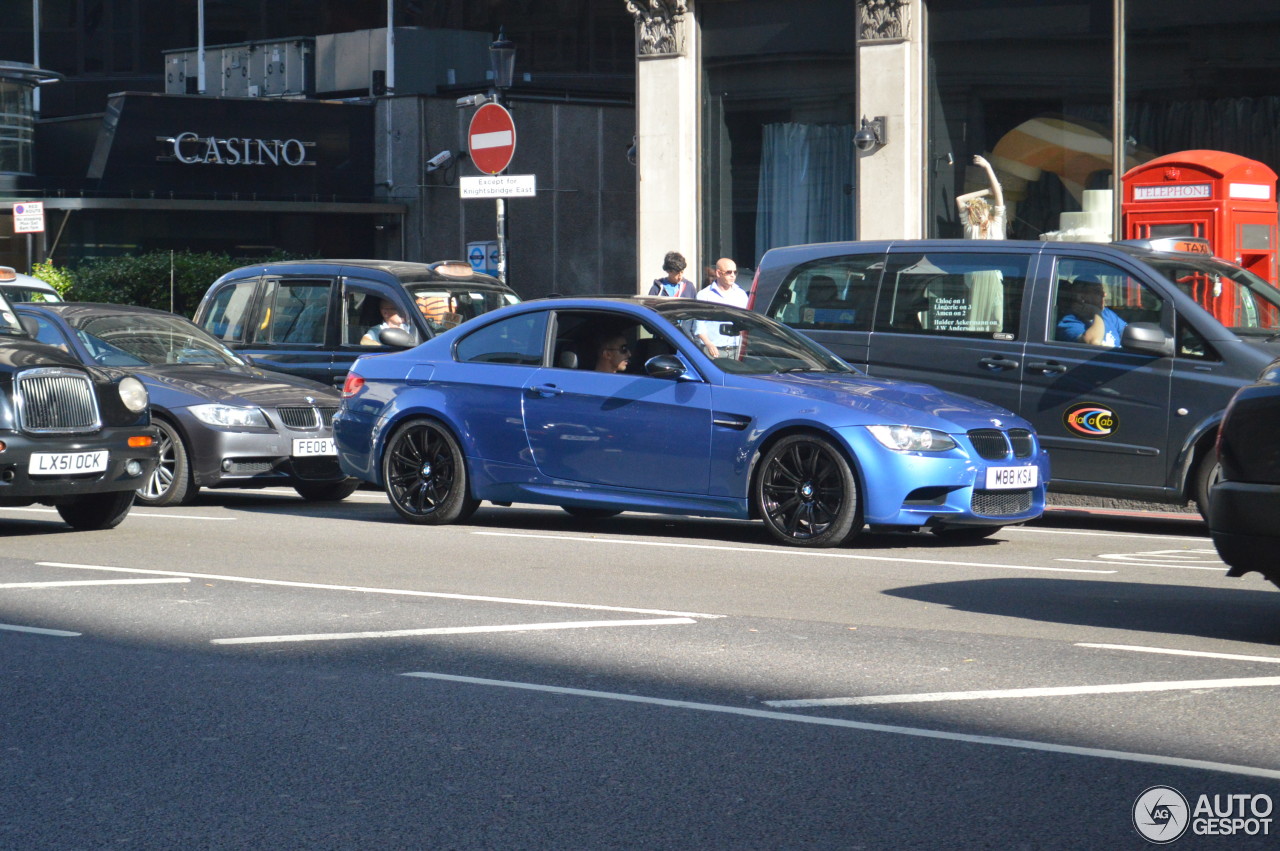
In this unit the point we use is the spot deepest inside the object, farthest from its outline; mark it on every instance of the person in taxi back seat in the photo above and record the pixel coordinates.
(1084, 317)
(391, 318)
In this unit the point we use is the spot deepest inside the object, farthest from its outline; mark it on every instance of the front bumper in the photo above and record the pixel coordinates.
(18, 487)
(1242, 521)
(223, 458)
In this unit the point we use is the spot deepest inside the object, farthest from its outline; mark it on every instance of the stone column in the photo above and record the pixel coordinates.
(668, 118)
(891, 82)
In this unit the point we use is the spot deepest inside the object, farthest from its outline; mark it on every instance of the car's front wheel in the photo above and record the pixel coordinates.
(97, 511)
(806, 493)
(426, 474)
(1208, 472)
(170, 483)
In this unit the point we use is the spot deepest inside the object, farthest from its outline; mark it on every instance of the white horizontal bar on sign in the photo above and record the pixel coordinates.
(499, 186)
(496, 139)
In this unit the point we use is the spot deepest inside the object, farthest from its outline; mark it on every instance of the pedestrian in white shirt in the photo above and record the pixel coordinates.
(726, 291)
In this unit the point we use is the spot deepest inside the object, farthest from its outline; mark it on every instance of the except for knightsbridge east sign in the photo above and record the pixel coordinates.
(193, 149)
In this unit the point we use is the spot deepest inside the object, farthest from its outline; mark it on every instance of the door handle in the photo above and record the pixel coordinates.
(1047, 367)
(998, 362)
(545, 390)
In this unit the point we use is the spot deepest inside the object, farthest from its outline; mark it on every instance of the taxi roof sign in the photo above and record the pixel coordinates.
(1175, 244)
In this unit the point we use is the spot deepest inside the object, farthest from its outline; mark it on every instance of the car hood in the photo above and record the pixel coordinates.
(237, 386)
(888, 401)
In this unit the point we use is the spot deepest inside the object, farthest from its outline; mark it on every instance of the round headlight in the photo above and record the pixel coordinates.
(133, 394)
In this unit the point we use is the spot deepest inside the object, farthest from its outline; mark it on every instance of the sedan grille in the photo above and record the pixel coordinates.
(1023, 444)
(55, 400)
(1001, 503)
(990, 443)
(307, 417)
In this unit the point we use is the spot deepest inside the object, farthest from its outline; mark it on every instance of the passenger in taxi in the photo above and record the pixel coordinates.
(1084, 316)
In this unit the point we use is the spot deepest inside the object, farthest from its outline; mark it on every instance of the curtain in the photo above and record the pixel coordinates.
(806, 185)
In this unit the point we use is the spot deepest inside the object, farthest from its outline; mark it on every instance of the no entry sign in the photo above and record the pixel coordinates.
(491, 138)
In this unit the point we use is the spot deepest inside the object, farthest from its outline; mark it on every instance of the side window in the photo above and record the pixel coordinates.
(1094, 301)
(229, 311)
(605, 342)
(362, 311)
(296, 312)
(517, 339)
(832, 294)
(969, 295)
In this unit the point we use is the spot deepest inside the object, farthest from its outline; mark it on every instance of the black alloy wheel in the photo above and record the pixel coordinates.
(426, 475)
(806, 493)
(170, 483)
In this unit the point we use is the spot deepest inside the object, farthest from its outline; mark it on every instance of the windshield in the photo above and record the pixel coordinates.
(1239, 299)
(447, 306)
(138, 339)
(21, 293)
(9, 325)
(748, 343)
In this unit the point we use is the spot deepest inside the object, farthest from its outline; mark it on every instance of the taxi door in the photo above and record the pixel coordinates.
(1102, 412)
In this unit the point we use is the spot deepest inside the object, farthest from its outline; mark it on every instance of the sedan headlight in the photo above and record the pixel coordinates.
(905, 438)
(133, 393)
(230, 416)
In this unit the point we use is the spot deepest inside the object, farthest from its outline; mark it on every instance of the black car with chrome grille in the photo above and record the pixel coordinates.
(74, 437)
(223, 422)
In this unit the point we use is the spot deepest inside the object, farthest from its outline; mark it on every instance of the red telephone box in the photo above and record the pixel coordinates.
(1221, 197)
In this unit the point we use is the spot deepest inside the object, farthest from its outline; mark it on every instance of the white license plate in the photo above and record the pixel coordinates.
(1012, 478)
(303, 447)
(67, 463)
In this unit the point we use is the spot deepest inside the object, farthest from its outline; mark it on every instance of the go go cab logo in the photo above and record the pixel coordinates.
(1091, 420)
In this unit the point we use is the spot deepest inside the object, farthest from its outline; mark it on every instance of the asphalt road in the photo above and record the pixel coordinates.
(253, 672)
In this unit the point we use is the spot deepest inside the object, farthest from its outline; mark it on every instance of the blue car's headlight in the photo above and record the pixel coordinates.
(230, 416)
(905, 438)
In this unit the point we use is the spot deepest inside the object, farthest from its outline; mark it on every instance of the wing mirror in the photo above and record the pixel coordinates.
(397, 337)
(1147, 338)
(664, 366)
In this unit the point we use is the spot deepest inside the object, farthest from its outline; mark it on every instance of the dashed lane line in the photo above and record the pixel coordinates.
(73, 583)
(790, 551)
(131, 514)
(450, 630)
(795, 718)
(1002, 694)
(390, 591)
(58, 633)
(1168, 651)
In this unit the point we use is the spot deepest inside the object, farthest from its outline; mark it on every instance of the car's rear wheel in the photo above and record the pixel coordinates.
(170, 483)
(591, 513)
(426, 474)
(327, 491)
(1207, 473)
(97, 511)
(806, 493)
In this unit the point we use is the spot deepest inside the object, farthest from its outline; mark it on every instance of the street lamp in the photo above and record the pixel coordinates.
(502, 58)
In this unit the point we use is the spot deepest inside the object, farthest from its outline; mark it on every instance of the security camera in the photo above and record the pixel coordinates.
(872, 133)
(472, 100)
(440, 160)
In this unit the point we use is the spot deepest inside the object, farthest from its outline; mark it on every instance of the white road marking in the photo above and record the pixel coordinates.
(1058, 691)
(1128, 563)
(449, 630)
(38, 631)
(1204, 654)
(785, 551)
(391, 591)
(1090, 534)
(767, 715)
(78, 582)
(133, 513)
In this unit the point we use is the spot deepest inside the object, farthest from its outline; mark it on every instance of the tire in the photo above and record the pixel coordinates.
(327, 491)
(591, 513)
(806, 493)
(97, 511)
(426, 475)
(171, 482)
(966, 533)
(1208, 471)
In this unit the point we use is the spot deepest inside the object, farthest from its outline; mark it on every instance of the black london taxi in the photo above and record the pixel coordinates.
(1132, 413)
(309, 317)
(76, 438)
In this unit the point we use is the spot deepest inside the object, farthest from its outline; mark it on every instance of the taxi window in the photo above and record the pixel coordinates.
(967, 295)
(1088, 291)
(832, 294)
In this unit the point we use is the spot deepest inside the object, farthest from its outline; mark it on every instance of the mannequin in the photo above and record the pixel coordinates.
(983, 220)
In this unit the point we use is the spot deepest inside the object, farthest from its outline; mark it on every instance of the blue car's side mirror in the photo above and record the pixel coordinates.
(664, 366)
